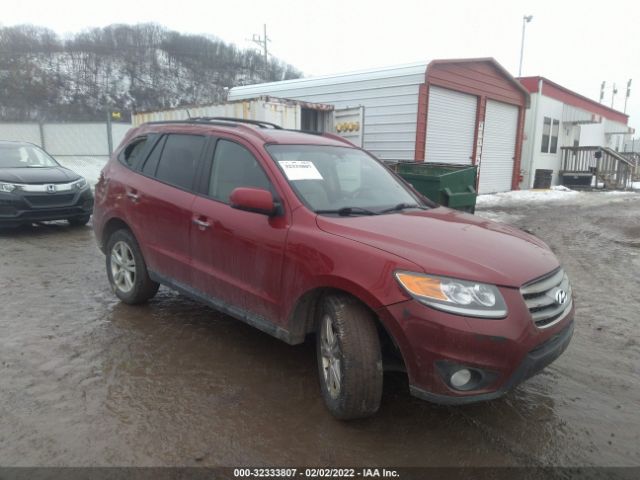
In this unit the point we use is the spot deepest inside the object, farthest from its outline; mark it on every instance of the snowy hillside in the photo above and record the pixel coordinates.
(119, 67)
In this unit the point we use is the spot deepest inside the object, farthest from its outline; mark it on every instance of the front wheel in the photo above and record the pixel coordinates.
(349, 358)
(127, 270)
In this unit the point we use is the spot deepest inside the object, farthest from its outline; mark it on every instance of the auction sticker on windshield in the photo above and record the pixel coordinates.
(300, 170)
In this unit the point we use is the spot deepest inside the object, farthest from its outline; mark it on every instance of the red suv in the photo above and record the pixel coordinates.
(296, 233)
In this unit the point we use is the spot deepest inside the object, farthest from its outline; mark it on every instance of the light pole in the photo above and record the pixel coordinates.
(525, 19)
(626, 98)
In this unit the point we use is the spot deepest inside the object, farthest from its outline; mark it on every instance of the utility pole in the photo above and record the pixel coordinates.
(626, 98)
(263, 42)
(525, 19)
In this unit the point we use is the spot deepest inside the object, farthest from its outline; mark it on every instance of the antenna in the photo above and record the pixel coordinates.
(604, 84)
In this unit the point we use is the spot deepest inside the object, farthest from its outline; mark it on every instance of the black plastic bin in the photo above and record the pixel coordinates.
(543, 178)
(576, 179)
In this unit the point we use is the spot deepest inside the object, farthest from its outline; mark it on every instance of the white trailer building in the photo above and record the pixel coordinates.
(564, 125)
(462, 111)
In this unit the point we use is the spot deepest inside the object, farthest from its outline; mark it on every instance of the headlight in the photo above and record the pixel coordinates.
(79, 184)
(7, 187)
(455, 296)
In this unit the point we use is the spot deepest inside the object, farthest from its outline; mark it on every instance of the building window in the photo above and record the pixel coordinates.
(550, 131)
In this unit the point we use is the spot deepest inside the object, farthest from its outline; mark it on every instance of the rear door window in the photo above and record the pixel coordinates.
(179, 160)
(151, 165)
(136, 150)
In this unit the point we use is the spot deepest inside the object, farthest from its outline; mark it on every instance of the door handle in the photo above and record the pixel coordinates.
(202, 225)
(133, 196)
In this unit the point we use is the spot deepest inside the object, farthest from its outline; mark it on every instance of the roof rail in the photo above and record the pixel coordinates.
(196, 121)
(259, 123)
(235, 122)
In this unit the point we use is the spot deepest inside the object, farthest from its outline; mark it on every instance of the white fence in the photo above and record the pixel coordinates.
(67, 139)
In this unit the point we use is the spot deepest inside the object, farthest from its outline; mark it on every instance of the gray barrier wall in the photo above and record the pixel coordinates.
(67, 139)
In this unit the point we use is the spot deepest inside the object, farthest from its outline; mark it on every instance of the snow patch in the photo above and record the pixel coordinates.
(557, 193)
(618, 192)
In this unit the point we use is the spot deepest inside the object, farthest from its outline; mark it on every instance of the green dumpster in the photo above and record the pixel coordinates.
(450, 185)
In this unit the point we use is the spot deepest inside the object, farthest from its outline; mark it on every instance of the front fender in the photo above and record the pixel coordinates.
(318, 261)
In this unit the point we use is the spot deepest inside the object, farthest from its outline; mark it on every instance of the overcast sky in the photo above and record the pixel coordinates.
(575, 43)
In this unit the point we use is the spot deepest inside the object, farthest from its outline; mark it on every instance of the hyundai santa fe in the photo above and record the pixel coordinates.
(299, 234)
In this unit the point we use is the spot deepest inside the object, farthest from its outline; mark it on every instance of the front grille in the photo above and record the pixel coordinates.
(51, 200)
(540, 298)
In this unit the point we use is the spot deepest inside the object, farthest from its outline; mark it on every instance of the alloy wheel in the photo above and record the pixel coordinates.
(123, 267)
(330, 351)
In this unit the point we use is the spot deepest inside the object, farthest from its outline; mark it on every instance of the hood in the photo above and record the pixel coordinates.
(451, 243)
(38, 175)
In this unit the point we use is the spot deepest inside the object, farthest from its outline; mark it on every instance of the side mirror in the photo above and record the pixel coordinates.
(253, 200)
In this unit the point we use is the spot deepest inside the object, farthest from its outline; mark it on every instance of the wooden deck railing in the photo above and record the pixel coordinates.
(634, 158)
(609, 167)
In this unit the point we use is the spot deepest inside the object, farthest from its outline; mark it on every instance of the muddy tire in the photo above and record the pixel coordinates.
(126, 269)
(349, 358)
(79, 221)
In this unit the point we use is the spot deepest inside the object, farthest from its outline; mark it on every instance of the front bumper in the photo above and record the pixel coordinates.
(533, 362)
(18, 208)
(504, 351)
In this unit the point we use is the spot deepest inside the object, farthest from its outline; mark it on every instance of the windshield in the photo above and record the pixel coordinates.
(24, 156)
(341, 180)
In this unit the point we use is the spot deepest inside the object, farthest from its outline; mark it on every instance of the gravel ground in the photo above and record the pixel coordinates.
(88, 381)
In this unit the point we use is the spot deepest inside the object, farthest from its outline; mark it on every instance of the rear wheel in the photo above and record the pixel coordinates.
(79, 221)
(349, 358)
(127, 270)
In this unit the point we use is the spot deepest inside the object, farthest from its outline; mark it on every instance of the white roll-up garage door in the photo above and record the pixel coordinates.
(451, 124)
(498, 147)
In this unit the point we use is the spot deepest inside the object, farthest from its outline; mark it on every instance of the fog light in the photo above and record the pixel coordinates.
(6, 210)
(460, 378)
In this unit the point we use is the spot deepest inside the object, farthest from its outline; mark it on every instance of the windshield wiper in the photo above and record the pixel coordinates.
(346, 211)
(402, 206)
